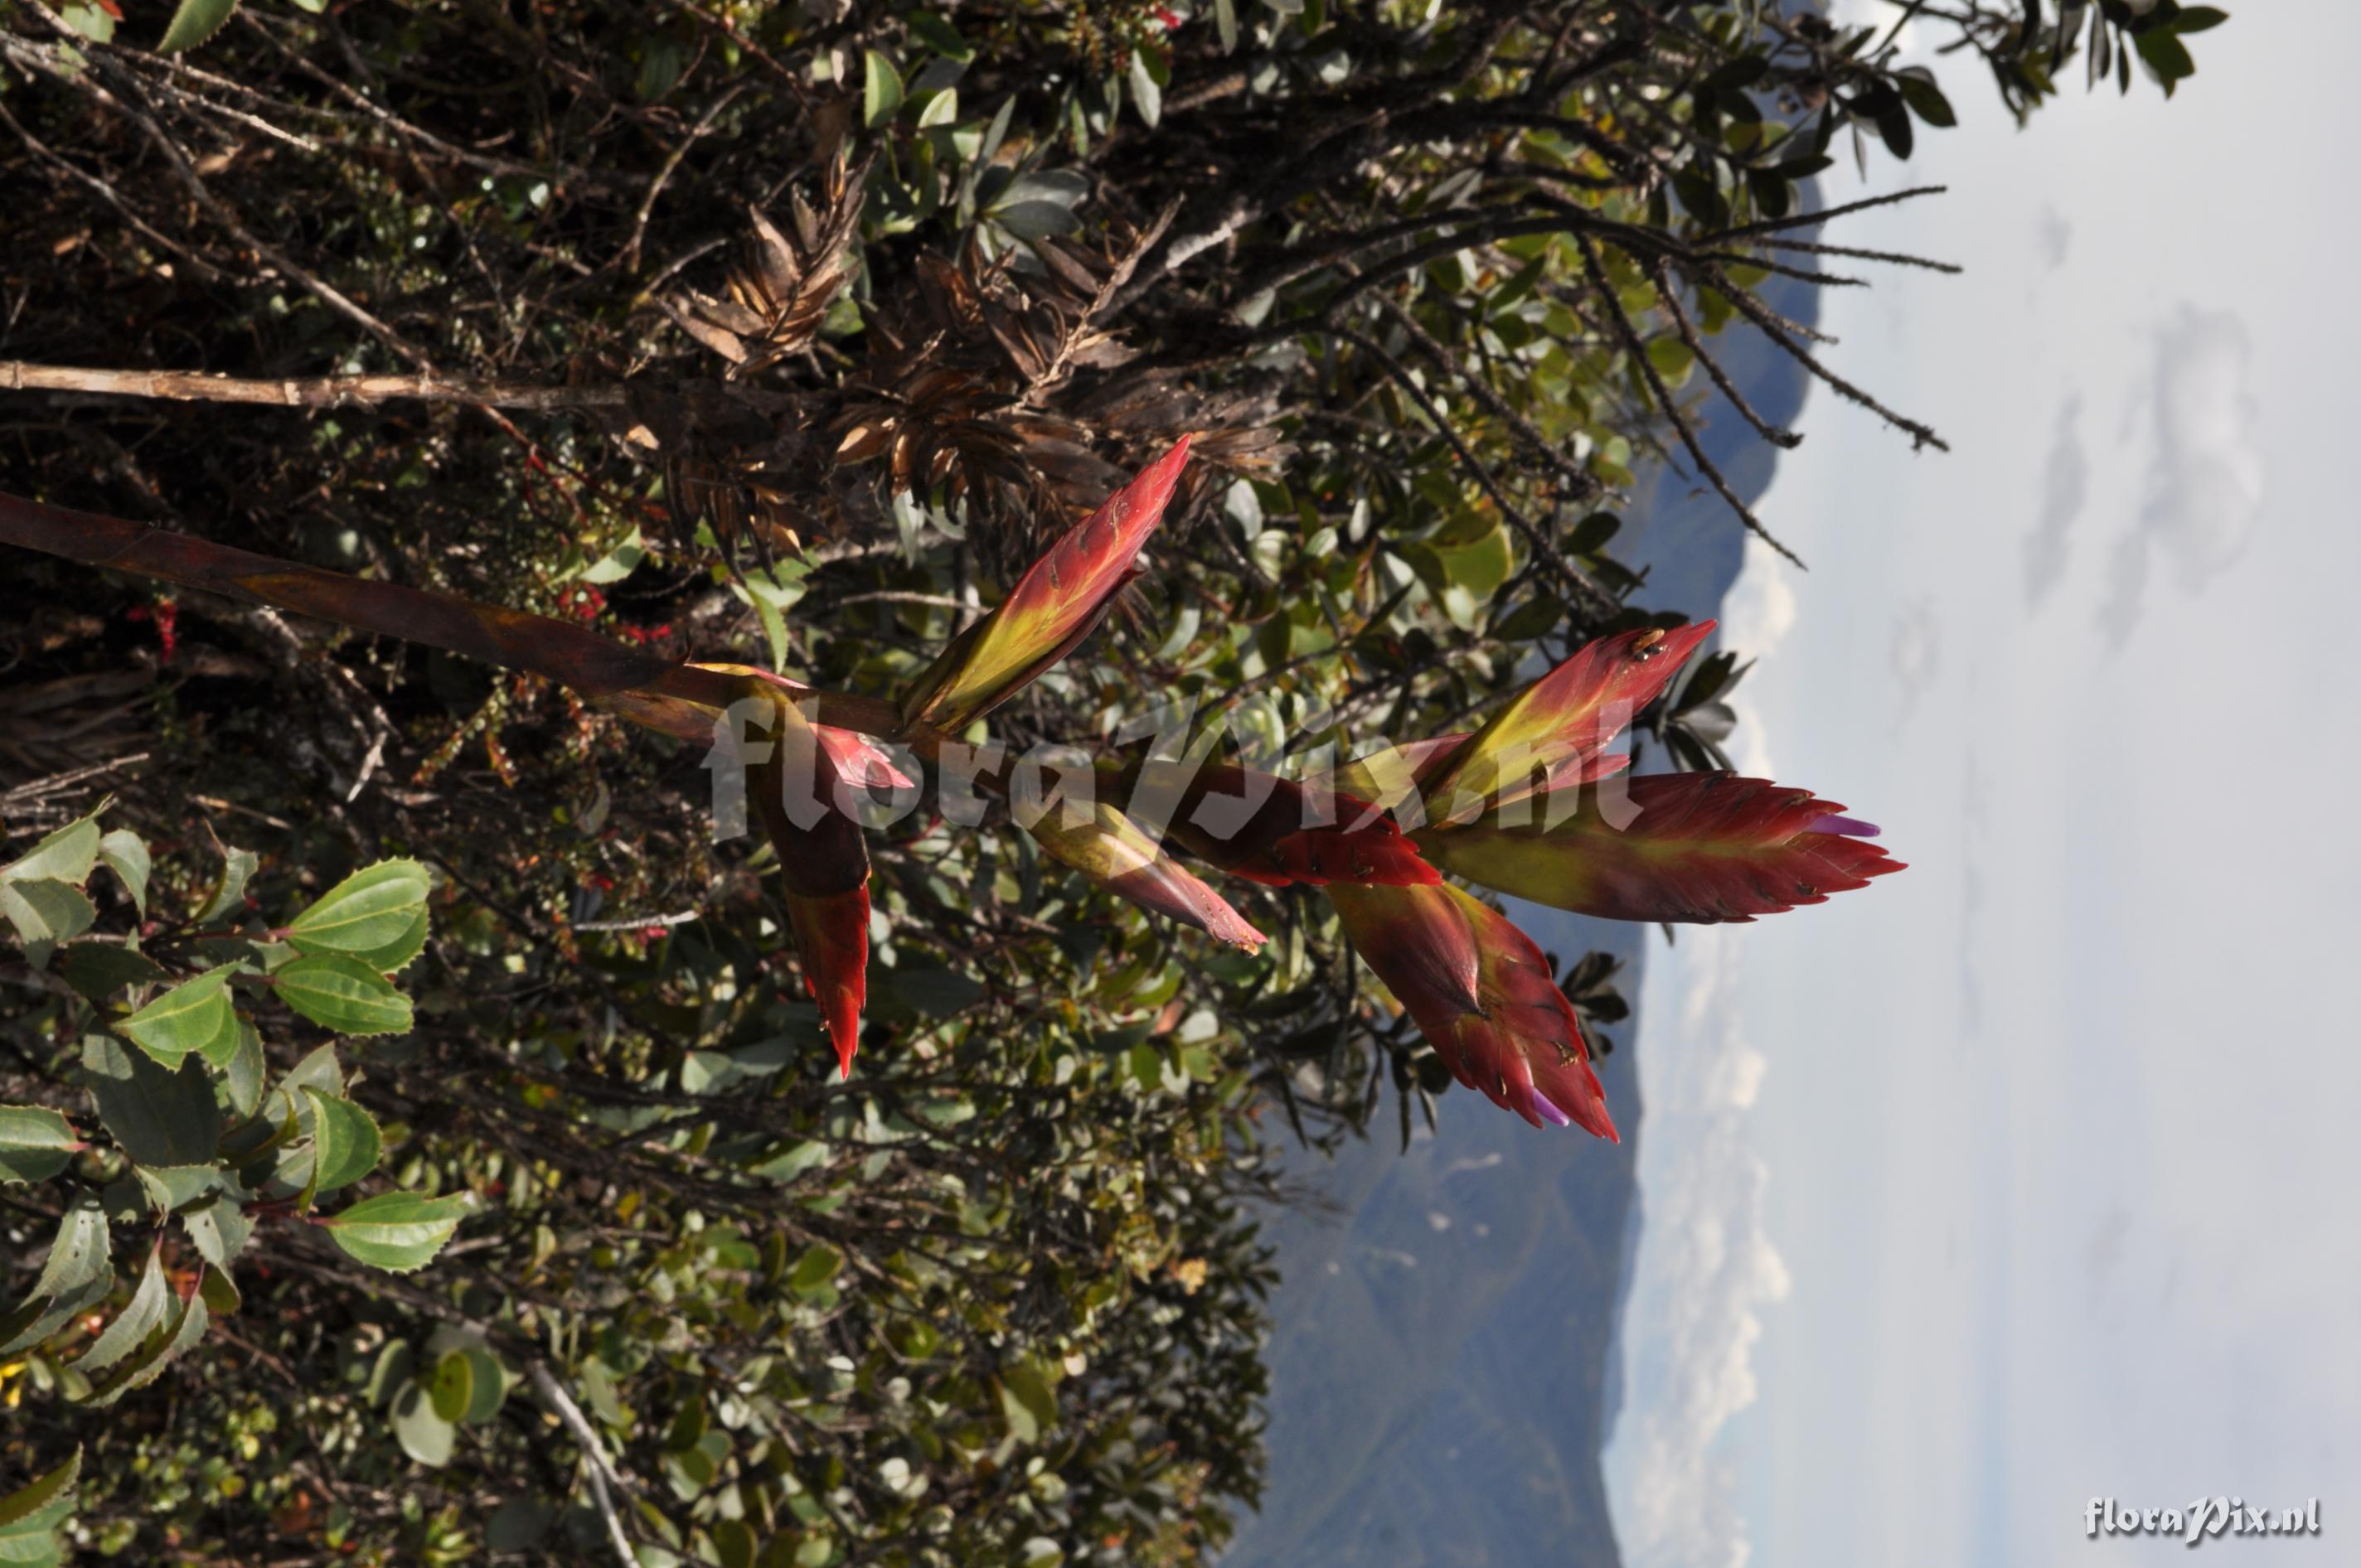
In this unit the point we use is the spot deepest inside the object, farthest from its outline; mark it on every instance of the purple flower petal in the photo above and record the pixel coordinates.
(1844, 827)
(1547, 1109)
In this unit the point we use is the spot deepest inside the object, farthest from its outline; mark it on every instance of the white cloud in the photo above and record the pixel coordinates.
(2205, 479)
(1704, 1270)
(2052, 236)
(2065, 486)
(1757, 614)
(1917, 651)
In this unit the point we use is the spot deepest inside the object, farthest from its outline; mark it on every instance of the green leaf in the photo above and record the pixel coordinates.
(175, 1187)
(317, 1070)
(453, 1390)
(2166, 57)
(31, 1515)
(2197, 18)
(343, 993)
(397, 1232)
(881, 90)
(1028, 1402)
(219, 1292)
(229, 893)
(192, 1014)
(424, 1434)
(816, 1270)
(36, 1143)
(1925, 100)
(45, 914)
(488, 1384)
(345, 1140)
(126, 854)
(1146, 93)
(374, 908)
(220, 1231)
(184, 1324)
(243, 1072)
(150, 1305)
(158, 1117)
(193, 23)
(99, 970)
(78, 1273)
(66, 855)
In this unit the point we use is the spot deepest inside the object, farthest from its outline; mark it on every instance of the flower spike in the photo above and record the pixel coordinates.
(1697, 847)
(1483, 996)
(1056, 604)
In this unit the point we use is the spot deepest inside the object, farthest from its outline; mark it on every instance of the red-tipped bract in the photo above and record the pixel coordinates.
(1058, 601)
(1481, 994)
(823, 866)
(1681, 847)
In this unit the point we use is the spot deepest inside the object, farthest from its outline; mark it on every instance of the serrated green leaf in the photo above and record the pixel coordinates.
(219, 1292)
(319, 1070)
(38, 1496)
(150, 1307)
(193, 23)
(126, 854)
(66, 855)
(99, 970)
(243, 1073)
(397, 1232)
(36, 1143)
(45, 914)
(78, 1273)
(229, 893)
(220, 1230)
(31, 1515)
(175, 1187)
(396, 955)
(345, 1142)
(159, 1117)
(340, 992)
(193, 1014)
(184, 1324)
(372, 908)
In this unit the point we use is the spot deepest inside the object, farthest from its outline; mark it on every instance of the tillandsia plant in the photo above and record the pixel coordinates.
(1531, 803)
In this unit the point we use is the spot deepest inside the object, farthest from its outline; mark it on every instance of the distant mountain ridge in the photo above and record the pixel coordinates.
(1444, 1365)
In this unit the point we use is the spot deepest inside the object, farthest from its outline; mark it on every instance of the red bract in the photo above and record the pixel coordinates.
(1556, 727)
(1270, 829)
(823, 866)
(1098, 840)
(1053, 606)
(1524, 806)
(1483, 996)
(1683, 847)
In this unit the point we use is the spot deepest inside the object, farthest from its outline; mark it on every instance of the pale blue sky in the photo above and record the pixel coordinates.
(2026, 1175)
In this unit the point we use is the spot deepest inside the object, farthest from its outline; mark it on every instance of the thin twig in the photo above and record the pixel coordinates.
(1775, 328)
(1596, 600)
(1808, 220)
(1669, 292)
(595, 1463)
(1638, 348)
(1899, 259)
(303, 393)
